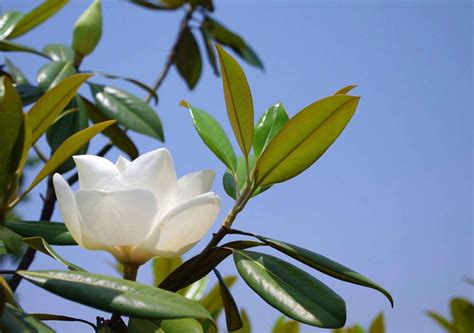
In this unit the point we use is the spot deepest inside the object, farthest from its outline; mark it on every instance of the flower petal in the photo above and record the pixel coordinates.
(186, 225)
(97, 173)
(194, 184)
(122, 164)
(118, 218)
(154, 171)
(71, 215)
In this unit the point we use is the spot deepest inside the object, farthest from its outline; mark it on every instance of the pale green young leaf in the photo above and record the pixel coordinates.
(268, 126)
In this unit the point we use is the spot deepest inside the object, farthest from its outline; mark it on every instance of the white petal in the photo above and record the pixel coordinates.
(122, 164)
(118, 218)
(97, 173)
(154, 171)
(194, 184)
(186, 225)
(71, 215)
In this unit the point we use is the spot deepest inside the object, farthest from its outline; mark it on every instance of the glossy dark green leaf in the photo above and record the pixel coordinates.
(8, 20)
(304, 139)
(292, 291)
(188, 59)
(53, 73)
(463, 314)
(213, 135)
(324, 265)
(268, 126)
(41, 245)
(54, 317)
(14, 320)
(211, 54)
(67, 149)
(37, 16)
(118, 137)
(285, 326)
(137, 83)
(55, 233)
(238, 100)
(345, 90)
(378, 324)
(64, 126)
(18, 77)
(188, 325)
(11, 120)
(128, 110)
(50, 105)
(198, 267)
(59, 52)
(29, 94)
(228, 38)
(7, 46)
(116, 295)
(232, 314)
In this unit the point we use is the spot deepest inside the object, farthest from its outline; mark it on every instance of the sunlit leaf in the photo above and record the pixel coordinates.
(378, 324)
(345, 90)
(292, 291)
(8, 20)
(18, 77)
(116, 295)
(268, 126)
(285, 326)
(196, 290)
(238, 99)
(463, 314)
(59, 52)
(53, 73)
(162, 267)
(213, 135)
(304, 139)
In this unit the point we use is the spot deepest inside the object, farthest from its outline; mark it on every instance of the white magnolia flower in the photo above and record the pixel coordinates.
(137, 210)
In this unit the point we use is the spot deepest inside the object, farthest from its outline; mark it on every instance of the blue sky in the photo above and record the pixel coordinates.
(391, 199)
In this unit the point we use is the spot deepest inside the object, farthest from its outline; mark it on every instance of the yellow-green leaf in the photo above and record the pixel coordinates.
(67, 149)
(304, 139)
(162, 267)
(238, 99)
(50, 105)
(378, 325)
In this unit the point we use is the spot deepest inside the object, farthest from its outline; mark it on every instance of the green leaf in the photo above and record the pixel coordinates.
(378, 325)
(304, 139)
(88, 29)
(37, 16)
(11, 120)
(209, 46)
(292, 291)
(238, 100)
(188, 58)
(7, 46)
(226, 37)
(67, 149)
(231, 187)
(463, 314)
(59, 52)
(65, 125)
(324, 265)
(213, 135)
(196, 290)
(187, 325)
(232, 314)
(246, 327)
(8, 295)
(128, 110)
(162, 267)
(8, 20)
(41, 245)
(50, 105)
(118, 137)
(55, 233)
(213, 301)
(28, 93)
(198, 267)
(53, 73)
(284, 326)
(137, 83)
(18, 77)
(116, 295)
(14, 320)
(268, 126)
(443, 322)
(345, 90)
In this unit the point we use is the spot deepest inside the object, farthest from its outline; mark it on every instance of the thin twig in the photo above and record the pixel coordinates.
(40, 154)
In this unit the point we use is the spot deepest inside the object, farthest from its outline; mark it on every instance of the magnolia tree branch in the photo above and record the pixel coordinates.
(50, 197)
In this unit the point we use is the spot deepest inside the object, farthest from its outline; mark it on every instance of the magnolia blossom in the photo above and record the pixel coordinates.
(137, 210)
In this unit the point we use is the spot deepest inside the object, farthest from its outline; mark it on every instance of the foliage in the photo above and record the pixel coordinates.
(462, 317)
(273, 150)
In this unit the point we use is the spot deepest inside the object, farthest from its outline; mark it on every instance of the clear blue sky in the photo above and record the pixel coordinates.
(391, 199)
